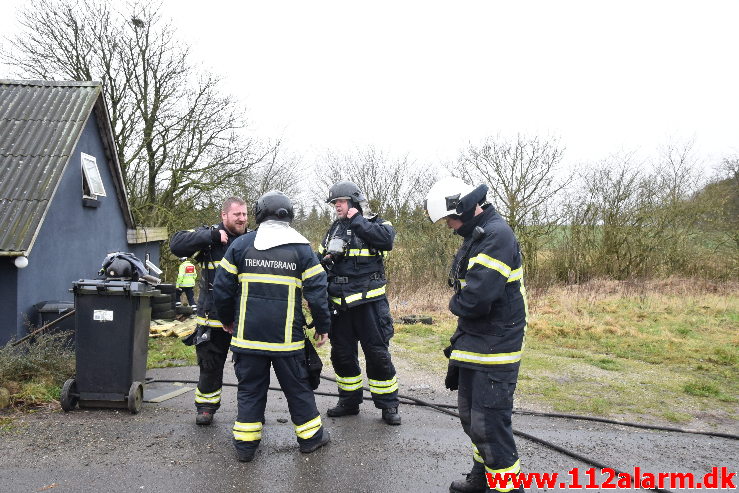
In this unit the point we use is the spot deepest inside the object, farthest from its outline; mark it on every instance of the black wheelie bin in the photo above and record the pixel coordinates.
(112, 319)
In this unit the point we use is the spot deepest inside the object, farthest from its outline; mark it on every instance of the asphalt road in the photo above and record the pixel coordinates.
(162, 450)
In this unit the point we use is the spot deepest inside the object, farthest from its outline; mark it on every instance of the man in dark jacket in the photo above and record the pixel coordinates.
(490, 302)
(207, 245)
(257, 292)
(352, 252)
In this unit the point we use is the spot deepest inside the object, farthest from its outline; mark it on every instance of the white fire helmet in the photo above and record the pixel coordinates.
(443, 197)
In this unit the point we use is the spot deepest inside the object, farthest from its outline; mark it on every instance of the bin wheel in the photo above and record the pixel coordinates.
(70, 396)
(135, 397)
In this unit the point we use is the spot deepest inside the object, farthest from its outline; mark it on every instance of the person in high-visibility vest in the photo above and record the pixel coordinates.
(186, 279)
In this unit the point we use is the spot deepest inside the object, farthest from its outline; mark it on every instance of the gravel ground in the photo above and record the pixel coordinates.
(162, 450)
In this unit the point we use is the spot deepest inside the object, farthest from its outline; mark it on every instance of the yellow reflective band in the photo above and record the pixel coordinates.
(213, 265)
(247, 432)
(271, 279)
(211, 398)
(516, 275)
(289, 315)
(358, 296)
(356, 379)
(267, 346)
(383, 386)
(356, 252)
(514, 469)
(321, 249)
(242, 311)
(486, 359)
(476, 454)
(307, 430)
(229, 267)
(313, 271)
(350, 387)
(208, 322)
(349, 383)
(463, 282)
(212, 394)
(490, 263)
(525, 302)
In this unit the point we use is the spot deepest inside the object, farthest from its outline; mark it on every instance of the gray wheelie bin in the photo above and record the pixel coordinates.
(112, 320)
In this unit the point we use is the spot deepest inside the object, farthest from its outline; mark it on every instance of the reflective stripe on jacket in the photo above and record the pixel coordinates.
(262, 290)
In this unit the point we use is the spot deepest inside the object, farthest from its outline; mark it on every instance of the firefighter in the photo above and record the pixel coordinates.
(207, 245)
(352, 253)
(187, 276)
(257, 292)
(490, 302)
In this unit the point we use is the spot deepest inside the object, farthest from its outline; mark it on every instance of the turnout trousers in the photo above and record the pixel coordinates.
(371, 326)
(189, 293)
(485, 408)
(253, 374)
(211, 359)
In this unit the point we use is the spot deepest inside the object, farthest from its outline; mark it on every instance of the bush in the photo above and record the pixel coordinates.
(34, 370)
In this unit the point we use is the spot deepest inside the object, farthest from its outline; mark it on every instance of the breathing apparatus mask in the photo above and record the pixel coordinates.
(335, 249)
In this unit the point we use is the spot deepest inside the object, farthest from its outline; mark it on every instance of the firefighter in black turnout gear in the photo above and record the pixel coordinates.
(490, 302)
(207, 245)
(352, 252)
(258, 291)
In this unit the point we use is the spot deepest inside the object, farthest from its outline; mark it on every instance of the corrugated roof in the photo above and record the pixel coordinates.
(40, 124)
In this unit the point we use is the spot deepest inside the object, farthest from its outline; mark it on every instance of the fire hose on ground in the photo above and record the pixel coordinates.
(445, 409)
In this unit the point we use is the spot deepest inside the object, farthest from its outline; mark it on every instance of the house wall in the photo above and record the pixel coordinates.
(74, 240)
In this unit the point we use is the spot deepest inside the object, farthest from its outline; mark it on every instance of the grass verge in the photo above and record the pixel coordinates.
(166, 352)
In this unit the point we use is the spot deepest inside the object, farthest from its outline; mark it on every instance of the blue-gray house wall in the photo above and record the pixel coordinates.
(73, 240)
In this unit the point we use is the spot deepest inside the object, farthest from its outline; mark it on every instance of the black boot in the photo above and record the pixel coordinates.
(246, 455)
(343, 410)
(391, 416)
(475, 482)
(307, 449)
(204, 418)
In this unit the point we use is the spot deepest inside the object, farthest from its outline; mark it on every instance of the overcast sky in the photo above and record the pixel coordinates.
(427, 77)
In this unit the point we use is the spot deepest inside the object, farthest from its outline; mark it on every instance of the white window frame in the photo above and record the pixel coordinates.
(91, 175)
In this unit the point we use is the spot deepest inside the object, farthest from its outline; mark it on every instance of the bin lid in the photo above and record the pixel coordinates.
(54, 306)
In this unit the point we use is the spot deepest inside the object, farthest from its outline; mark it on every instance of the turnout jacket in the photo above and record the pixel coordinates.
(489, 298)
(204, 245)
(262, 290)
(358, 276)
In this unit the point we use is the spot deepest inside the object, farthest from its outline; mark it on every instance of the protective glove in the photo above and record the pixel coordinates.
(207, 352)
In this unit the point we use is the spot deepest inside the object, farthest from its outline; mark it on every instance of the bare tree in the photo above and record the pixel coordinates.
(632, 218)
(389, 183)
(178, 136)
(523, 175)
(278, 170)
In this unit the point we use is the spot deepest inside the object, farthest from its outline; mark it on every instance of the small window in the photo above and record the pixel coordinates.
(92, 183)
